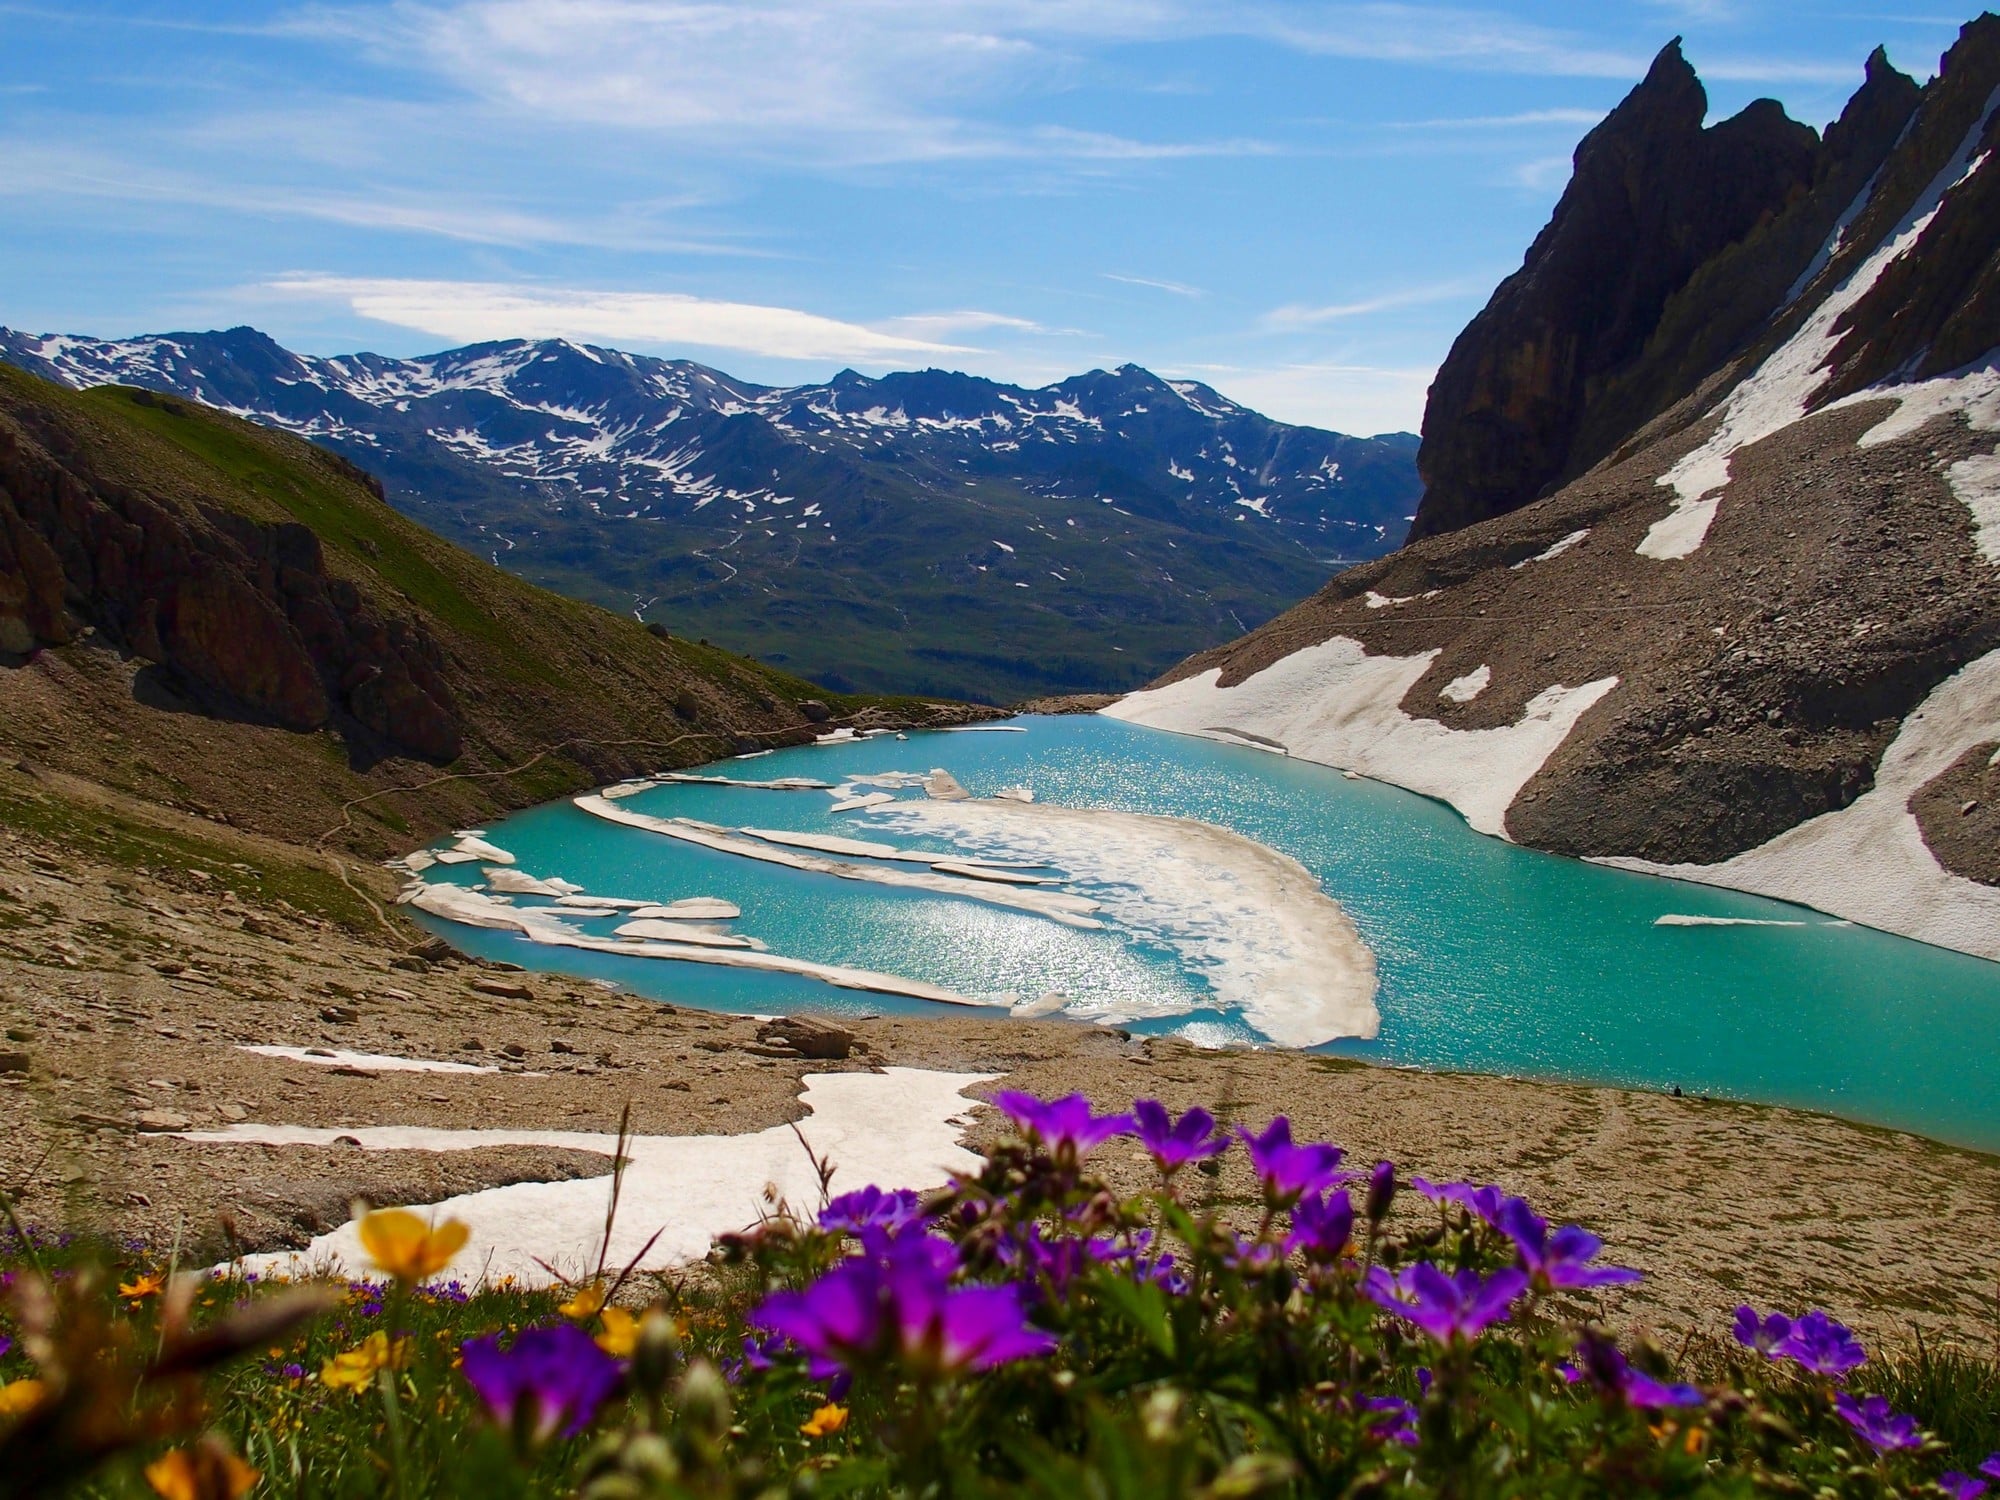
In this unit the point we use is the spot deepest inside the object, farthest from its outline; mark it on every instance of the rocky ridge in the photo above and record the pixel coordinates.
(1783, 586)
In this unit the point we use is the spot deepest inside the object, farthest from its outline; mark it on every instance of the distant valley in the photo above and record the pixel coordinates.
(926, 532)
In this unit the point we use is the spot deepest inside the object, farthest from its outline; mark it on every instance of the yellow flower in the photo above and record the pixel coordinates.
(406, 1247)
(149, 1285)
(826, 1421)
(210, 1472)
(621, 1333)
(19, 1397)
(585, 1305)
(355, 1369)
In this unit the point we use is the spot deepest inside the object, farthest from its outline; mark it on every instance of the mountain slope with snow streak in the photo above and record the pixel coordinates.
(1755, 645)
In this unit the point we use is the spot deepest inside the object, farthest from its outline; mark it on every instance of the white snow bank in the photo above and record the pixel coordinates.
(1550, 553)
(1072, 911)
(1252, 921)
(1868, 861)
(782, 784)
(1471, 685)
(899, 1128)
(374, 1062)
(1976, 481)
(1775, 395)
(1335, 704)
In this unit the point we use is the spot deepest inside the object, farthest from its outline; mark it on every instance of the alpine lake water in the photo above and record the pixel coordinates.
(1492, 958)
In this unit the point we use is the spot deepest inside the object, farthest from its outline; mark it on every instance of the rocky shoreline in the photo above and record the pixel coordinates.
(130, 989)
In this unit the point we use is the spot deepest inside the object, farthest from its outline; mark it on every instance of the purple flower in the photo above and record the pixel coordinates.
(1820, 1345)
(1397, 1422)
(1289, 1172)
(1991, 1468)
(1322, 1227)
(5, 1344)
(1483, 1203)
(1615, 1375)
(1446, 1307)
(1885, 1430)
(553, 1380)
(871, 1208)
(1762, 1334)
(899, 1303)
(1173, 1144)
(1065, 1126)
(1561, 1259)
(1961, 1486)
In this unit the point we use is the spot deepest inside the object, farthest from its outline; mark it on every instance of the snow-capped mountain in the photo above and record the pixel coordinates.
(927, 530)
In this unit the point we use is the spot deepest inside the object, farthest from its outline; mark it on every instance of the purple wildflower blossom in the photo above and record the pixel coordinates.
(552, 1379)
(1174, 1143)
(1065, 1126)
(899, 1302)
(1322, 1227)
(5, 1344)
(1991, 1467)
(1446, 1307)
(1483, 1203)
(1289, 1172)
(1612, 1373)
(1824, 1347)
(1763, 1334)
(1961, 1486)
(1561, 1259)
(1397, 1422)
(871, 1208)
(1883, 1428)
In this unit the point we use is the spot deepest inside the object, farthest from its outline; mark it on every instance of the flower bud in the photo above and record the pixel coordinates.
(704, 1399)
(1381, 1191)
(657, 1354)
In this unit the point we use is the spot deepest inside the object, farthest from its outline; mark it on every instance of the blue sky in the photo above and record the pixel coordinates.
(1298, 203)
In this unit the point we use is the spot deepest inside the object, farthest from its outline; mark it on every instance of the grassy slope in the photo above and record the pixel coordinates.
(530, 669)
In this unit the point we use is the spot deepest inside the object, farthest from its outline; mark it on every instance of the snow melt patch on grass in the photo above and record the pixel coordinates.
(900, 1128)
(1335, 704)
(1868, 861)
(1252, 921)
(1775, 396)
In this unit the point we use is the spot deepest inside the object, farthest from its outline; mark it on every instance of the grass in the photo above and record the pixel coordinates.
(116, 839)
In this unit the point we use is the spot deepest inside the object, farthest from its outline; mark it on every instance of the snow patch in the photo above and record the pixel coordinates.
(1471, 685)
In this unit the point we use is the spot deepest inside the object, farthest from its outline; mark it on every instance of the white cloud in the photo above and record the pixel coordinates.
(1542, 173)
(1352, 398)
(1295, 316)
(1178, 289)
(471, 312)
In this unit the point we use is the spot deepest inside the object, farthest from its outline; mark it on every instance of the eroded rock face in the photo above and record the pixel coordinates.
(1557, 369)
(242, 613)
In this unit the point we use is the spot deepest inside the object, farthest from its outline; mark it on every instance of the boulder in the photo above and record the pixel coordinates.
(820, 1040)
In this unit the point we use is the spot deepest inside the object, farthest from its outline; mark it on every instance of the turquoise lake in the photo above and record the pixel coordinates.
(1492, 958)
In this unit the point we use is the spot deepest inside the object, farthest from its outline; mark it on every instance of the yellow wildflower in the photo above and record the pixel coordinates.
(621, 1333)
(585, 1305)
(209, 1472)
(406, 1247)
(19, 1397)
(825, 1422)
(355, 1369)
(149, 1285)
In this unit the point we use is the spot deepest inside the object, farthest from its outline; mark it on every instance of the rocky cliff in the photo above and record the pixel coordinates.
(1756, 638)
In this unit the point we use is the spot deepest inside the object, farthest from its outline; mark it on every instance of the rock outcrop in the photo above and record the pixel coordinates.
(244, 614)
(1772, 549)
(1605, 323)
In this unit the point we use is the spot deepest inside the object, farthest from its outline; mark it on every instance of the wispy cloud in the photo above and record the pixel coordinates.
(1355, 398)
(1524, 119)
(1178, 289)
(471, 312)
(1295, 316)
(1541, 173)
(967, 320)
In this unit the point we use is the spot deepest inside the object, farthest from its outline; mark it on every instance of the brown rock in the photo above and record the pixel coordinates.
(503, 989)
(156, 1120)
(809, 1038)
